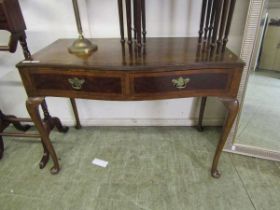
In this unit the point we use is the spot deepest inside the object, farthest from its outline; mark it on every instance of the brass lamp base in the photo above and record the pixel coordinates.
(82, 46)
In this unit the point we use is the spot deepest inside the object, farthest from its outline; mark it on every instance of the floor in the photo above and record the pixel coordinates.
(150, 168)
(259, 122)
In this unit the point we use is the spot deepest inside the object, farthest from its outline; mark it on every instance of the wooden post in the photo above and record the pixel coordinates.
(120, 5)
(216, 25)
(229, 19)
(143, 7)
(223, 22)
(212, 19)
(134, 19)
(207, 22)
(128, 15)
(202, 19)
(138, 23)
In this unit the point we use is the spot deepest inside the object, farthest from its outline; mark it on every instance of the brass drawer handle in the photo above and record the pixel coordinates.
(76, 83)
(181, 82)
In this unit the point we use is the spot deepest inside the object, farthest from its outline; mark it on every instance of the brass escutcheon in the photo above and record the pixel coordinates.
(76, 83)
(181, 82)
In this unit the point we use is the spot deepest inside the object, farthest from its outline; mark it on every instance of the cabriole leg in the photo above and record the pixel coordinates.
(44, 128)
(232, 106)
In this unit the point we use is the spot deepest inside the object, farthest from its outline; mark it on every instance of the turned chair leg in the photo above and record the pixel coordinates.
(228, 24)
(143, 8)
(202, 20)
(23, 43)
(128, 15)
(120, 6)
(138, 23)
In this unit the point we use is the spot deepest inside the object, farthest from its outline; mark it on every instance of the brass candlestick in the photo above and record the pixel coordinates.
(80, 46)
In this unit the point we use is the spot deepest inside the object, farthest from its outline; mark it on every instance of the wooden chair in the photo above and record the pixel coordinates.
(11, 19)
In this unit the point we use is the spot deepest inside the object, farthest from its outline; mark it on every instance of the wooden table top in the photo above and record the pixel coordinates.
(158, 53)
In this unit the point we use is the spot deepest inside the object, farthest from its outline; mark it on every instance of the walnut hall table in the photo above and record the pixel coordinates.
(165, 68)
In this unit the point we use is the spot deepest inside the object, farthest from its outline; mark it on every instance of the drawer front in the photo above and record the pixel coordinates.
(185, 83)
(123, 85)
(75, 84)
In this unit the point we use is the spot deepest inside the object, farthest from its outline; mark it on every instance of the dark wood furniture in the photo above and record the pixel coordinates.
(215, 22)
(169, 68)
(11, 19)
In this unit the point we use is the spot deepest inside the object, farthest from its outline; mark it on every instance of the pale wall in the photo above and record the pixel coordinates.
(274, 13)
(48, 20)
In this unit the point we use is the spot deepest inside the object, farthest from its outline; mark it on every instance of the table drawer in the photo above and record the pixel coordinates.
(189, 83)
(75, 83)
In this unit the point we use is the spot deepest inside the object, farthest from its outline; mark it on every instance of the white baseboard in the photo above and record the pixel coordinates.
(144, 122)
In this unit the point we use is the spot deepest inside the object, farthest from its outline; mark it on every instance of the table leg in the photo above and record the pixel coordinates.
(233, 107)
(201, 113)
(76, 113)
(44, 127)
(134, 19)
